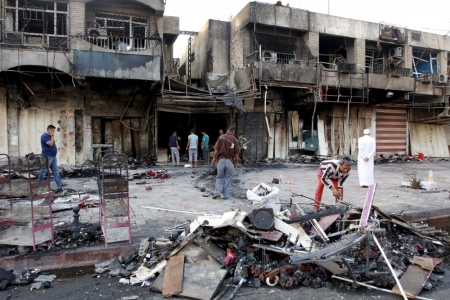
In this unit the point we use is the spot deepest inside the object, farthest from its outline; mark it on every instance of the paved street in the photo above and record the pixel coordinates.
(183, 192)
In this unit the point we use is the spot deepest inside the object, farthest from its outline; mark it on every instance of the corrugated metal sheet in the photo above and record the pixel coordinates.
(391, 130)
(254, 128)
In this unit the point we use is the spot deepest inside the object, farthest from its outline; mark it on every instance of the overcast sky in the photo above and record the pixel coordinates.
(432, 16)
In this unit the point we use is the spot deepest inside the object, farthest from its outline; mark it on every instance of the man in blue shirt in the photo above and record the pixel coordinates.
(49, 148)
(192, 147)
(205, 146)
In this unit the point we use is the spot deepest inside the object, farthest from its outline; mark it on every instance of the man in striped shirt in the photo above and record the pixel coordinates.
(332, 173)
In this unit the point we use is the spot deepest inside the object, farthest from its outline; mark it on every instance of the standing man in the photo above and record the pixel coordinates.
(49, 148)
(205, 146)
(174, 147)
(192, 146)
(243, 145)
(226, 154)
(220, 132)
(366, 151)
(332, 173)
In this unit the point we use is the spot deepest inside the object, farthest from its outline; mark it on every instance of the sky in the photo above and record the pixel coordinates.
(431, 16)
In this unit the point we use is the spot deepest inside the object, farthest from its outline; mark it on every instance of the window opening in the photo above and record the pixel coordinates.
(34, 22)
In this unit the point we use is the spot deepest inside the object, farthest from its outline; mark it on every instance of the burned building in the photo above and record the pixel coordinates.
(311, 83)
(91, 68)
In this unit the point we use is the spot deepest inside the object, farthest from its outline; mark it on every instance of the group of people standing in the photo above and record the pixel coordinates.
(192, 147)
(228, 151)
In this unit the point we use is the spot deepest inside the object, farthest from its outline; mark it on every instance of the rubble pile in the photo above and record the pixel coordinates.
(90, 235)
(278, 244)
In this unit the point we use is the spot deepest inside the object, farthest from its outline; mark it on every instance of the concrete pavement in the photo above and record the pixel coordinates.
(183, 192)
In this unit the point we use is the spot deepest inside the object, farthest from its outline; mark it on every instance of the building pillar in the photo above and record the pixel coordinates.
(442, 62)
(312, 41)
(13, 128)
(360, 55)
(3, 121)
(408, 57)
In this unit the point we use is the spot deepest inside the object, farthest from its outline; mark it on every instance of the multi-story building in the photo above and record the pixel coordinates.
(311, 82)
(92, 68)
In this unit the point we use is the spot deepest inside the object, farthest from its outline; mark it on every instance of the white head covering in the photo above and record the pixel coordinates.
(366, 131)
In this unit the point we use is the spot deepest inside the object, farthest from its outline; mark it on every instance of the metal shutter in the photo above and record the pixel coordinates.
(391, 130)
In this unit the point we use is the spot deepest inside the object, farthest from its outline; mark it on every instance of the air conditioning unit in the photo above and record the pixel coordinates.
(269, 56)
(396, 52)
(440, 78)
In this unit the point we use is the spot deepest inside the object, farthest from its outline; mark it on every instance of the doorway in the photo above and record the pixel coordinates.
(182, 123)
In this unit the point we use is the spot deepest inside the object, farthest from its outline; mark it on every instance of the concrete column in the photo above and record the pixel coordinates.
(360, 55)
(3, 121)
(312, 41)
(408, 57)
(442, 62)
(13, 129)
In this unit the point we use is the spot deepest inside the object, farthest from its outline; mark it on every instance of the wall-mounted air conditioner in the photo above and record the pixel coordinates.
(396, 52)
(269, 56)
(440, 78)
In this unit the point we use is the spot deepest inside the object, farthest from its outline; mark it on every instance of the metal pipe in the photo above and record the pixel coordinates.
(180, 211)
(390, 267)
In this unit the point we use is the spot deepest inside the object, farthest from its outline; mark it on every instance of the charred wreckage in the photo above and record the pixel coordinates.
(279, 244)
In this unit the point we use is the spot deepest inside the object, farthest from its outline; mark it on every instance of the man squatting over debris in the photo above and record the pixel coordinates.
(332, 173)
(226, 153)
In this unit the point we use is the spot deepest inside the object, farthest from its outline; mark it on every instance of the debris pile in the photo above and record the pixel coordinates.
(279, 244)
(38, 281)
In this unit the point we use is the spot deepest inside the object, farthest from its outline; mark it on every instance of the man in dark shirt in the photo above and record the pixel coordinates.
(226, 154)
(332, 173)
(50, 150)
(174, 147)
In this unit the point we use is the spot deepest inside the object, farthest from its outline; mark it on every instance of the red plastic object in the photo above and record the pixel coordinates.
(230, 258)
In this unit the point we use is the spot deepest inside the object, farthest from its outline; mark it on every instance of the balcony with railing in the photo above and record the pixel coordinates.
(122, 32)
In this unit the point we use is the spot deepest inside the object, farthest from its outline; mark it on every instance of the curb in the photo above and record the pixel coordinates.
(66, 259)
(427, 215)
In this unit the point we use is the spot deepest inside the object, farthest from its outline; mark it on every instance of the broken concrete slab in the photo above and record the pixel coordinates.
(202, 274)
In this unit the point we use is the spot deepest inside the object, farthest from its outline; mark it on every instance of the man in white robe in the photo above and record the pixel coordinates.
(366, 151)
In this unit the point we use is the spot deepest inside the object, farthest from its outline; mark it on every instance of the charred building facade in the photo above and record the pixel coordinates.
(304, 82)
(92, 68)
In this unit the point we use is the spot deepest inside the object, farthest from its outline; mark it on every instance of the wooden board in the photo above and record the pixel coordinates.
(323, 146)
(295, 230)
(173, 276)
(202, 274)
(211, 248)
(428, 139)
(412, 281)
(332, 267)
(367, 205)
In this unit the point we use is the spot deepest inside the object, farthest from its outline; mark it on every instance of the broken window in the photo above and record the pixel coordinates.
(337, 53)
(33, 22)
(425, 67)
(385, 59)
(281, 49)
(122, 32)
